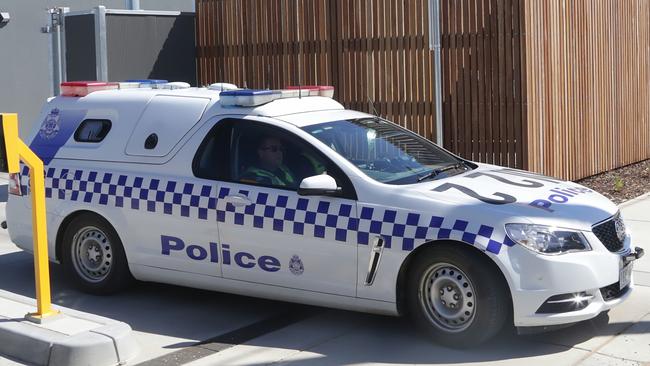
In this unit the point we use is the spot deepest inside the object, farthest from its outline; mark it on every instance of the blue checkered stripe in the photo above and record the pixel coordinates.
(290, 214)
(333, 221)
(406, 230)
(132, 192)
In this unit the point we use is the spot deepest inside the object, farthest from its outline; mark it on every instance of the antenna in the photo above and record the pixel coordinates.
(223, 73)
(372, 104)
(299, 51)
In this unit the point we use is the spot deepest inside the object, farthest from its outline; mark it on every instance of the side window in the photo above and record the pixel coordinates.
(272, 157)
(211, 160)
(92, 130)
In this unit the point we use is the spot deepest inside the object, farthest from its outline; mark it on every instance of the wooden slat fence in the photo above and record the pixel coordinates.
(588, 90)
(376, 53)
(557, 86)
(484, 111)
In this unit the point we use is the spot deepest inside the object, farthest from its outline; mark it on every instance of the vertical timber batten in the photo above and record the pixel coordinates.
(559, 87)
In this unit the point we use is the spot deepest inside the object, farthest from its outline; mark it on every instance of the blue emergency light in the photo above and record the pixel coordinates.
(248, 97)
(147, 81)
(255, 97)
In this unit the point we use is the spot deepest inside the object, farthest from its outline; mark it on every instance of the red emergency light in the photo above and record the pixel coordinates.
(83, 88)
(315, 90)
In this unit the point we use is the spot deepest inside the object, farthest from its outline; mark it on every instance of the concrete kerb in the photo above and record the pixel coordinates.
(73, 338)
(634, 200)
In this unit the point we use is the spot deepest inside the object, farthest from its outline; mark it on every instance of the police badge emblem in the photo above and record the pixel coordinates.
(619, 225)
(50, 127)
(295, 265)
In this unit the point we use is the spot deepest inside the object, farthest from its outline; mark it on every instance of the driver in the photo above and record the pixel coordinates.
(269, 168)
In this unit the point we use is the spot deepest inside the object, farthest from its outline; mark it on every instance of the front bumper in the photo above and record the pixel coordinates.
(593, 275)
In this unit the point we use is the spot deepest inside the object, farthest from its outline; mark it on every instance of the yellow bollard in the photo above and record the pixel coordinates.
(17, 150)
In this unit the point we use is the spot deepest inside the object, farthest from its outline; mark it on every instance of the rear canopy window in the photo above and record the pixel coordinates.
(92, 130)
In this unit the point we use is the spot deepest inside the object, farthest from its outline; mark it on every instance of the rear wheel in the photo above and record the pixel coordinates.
(93, 256)
(456, 297)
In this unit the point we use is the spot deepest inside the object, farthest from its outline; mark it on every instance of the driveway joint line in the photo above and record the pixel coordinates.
(311, 346)
(609, 340)
(620, 358)
(636, 220)
(233, 338)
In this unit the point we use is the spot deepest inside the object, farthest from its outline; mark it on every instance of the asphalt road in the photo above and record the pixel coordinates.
(175, 325)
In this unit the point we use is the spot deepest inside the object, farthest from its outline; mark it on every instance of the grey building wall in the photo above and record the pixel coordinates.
(25, 68)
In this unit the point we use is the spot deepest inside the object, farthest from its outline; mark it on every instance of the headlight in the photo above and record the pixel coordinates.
(546, 239)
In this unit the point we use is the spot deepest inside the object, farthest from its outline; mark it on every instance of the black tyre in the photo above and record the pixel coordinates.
(456, 296)
(93, 256)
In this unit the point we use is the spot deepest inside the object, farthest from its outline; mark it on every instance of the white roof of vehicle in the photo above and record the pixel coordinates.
(277, 108)
(137, 114)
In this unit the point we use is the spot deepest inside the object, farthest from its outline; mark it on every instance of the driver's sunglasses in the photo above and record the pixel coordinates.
(273, 148)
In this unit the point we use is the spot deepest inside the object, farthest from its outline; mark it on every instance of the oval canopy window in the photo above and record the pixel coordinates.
(92, 130)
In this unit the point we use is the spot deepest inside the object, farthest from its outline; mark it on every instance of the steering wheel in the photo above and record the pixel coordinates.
(382, 164)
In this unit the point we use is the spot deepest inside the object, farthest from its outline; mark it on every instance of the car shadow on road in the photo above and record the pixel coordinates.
(387, 340)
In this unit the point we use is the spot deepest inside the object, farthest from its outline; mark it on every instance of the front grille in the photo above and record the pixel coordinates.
(613, 291)
(606, 233)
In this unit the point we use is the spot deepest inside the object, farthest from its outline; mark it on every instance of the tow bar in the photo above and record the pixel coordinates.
(638, 253)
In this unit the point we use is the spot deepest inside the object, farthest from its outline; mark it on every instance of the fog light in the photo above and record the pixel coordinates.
(565, 303)
(581, 297)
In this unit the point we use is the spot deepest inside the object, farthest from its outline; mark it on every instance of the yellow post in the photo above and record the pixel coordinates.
(17, 150)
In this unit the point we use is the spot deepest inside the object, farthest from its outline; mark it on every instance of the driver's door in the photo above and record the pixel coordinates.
(270, 234)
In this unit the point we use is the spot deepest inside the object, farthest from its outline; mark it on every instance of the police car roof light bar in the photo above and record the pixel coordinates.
(315, 90)
(294, 93)
(129, 85)
(174, 85)
(83, 88)
(248, 97)
(147, 81)
(222, 87)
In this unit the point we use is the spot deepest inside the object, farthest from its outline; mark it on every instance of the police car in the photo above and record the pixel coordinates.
(284, 194)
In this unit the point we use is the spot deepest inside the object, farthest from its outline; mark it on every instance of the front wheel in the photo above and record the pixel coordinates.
(456, 296)
(93, 256)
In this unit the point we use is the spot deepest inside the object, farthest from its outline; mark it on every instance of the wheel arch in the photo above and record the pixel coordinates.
(60, 233)
(400, 286)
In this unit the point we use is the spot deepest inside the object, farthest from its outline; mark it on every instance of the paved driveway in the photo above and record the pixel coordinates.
(178, 325)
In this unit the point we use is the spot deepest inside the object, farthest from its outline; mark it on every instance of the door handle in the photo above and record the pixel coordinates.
(238, 201)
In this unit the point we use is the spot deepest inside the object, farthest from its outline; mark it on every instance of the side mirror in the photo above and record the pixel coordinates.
(4, 18)
(319, 185)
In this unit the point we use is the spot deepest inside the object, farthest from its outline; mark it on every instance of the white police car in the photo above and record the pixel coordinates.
(266, 194)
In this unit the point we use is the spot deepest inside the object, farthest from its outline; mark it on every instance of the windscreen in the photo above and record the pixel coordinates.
(383, 150)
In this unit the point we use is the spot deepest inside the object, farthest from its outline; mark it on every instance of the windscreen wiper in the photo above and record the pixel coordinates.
(435, 172)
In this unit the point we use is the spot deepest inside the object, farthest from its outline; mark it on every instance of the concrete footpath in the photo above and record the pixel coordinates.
(67, 339)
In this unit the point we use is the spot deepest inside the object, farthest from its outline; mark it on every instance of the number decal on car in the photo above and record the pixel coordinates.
(506, 198)
(531, 184)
